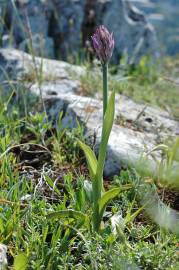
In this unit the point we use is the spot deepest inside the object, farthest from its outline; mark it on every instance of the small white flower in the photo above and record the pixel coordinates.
(117, 220)
(26, 198)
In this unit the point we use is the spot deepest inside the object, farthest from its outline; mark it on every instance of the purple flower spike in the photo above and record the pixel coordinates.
(103, 44)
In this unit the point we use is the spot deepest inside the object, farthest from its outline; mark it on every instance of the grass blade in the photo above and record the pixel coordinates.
(51, 184)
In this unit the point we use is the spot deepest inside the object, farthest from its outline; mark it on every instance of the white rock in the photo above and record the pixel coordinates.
(3, 257)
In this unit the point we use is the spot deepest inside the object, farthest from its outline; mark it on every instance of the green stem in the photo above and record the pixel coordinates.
(98, 182)
(105, 87)
(96, 221)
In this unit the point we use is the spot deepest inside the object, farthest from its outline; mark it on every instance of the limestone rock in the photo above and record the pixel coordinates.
(66, 22)
(27, 20)
(137, 128)
(38, 45)
(6, 41)
(20, 65)
(3, 257)
(65, 26)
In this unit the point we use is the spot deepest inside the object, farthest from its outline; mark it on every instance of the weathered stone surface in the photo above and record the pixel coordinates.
(66, 22)
(6, 41)
(3, 257)
(137, 128)
(66, 25)
(20, 65)
(164, 16)
(38, 45)
(127, 142)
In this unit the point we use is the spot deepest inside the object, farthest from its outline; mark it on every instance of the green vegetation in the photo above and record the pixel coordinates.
(153, 84)
(43, 171)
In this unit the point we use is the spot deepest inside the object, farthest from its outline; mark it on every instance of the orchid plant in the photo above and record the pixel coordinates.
(103, 44)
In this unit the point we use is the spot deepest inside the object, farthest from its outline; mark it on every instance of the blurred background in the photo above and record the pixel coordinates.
(62, 28)
(163, 15)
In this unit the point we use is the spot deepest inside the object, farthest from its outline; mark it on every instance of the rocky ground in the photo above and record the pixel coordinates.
(138, 128)
(43, 170)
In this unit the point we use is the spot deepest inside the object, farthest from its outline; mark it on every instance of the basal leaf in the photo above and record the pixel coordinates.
(106, 198)
(90, 157)
(20, 261)
(69, 213)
